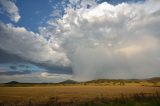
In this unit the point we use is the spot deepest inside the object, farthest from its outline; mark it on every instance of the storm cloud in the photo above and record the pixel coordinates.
(111, 41)
(99, 41)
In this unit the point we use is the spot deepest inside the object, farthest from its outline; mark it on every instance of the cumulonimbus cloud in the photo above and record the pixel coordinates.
(103, 41)
(111, 41)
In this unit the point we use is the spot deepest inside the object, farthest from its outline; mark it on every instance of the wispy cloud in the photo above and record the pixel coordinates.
(12, 10)
(51, 75)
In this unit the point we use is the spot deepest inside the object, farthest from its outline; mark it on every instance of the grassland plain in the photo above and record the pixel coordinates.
(83, 95)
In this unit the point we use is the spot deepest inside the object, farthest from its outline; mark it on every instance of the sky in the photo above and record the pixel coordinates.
(56, 40)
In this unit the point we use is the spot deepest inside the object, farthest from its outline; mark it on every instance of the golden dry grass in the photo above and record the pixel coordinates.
(66, 93)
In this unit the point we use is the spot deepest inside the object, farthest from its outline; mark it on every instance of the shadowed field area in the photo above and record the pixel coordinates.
(71, 94)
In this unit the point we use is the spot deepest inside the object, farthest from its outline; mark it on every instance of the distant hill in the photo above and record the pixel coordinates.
(154, 79)
(111, 80)
(13, 82)
(68, 82)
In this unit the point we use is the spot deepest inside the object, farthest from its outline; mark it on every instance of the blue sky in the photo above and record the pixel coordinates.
(25, 26)
(33, 13)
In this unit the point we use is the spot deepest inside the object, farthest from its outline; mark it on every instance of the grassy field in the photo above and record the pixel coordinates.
(131, 94)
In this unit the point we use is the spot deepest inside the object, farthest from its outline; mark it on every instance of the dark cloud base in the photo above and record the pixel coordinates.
(6, 58)
(9, 58)
(16, 72)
